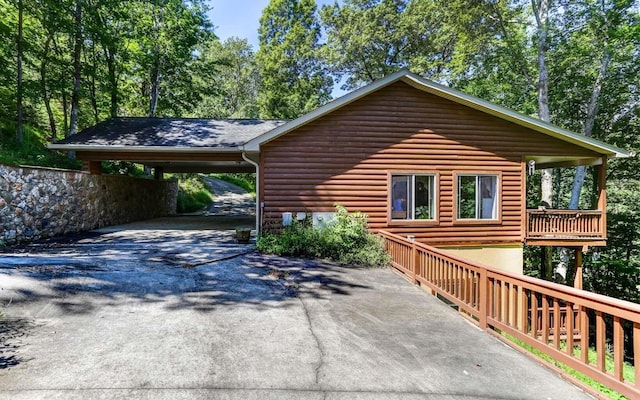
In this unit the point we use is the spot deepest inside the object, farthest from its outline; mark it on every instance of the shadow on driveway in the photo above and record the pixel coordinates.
(168, 313)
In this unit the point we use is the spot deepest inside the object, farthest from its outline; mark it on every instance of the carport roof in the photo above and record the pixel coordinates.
(130, 133)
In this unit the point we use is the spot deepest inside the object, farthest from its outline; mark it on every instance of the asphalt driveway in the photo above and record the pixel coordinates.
(155, 312)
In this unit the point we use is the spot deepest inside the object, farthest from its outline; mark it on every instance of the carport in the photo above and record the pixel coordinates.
(170, 145)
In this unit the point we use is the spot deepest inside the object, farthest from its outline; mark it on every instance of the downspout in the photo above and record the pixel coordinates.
(258, 202)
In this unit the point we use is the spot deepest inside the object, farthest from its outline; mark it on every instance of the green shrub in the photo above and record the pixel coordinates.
(345, 240)
(193, 193)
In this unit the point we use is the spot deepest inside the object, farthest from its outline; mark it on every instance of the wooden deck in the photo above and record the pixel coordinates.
(533, 311)
(566, 227)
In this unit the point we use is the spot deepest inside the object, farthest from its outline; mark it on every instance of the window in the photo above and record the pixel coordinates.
(477, 197)
(413, 197)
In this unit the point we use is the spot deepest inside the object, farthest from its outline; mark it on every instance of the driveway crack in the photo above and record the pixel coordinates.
(319, 346)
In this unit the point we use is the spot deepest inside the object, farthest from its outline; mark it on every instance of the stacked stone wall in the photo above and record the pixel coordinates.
(36, 203)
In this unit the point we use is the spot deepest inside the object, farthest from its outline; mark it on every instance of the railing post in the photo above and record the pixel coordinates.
(483, 299)
(414, 262)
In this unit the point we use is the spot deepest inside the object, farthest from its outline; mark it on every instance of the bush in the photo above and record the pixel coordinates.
(345, 240)
(193, 194)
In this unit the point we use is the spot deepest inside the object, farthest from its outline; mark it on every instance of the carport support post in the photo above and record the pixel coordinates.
(92, 167)
(158, 173)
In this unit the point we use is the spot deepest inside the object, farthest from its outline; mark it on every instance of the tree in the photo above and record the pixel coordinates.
(20, 53)
(233, 88)
(369, 39)
(77, 67)
(292, 78)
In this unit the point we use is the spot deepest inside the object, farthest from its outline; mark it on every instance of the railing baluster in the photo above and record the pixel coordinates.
(556, 323)
(584, 335)
(534, 315)
(600, 341)
(618, 348)
(545, 319)
(570, 328)
(636, 353)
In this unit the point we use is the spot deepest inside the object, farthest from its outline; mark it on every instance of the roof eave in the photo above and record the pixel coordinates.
(147, 149)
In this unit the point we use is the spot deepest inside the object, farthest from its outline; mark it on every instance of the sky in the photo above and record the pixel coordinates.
(240, 18)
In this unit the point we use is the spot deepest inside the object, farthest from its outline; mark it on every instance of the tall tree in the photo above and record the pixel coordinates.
(77, 68)
(230, 72)
(541, 15)
(167, 35)
(20, 90)
(292, 78)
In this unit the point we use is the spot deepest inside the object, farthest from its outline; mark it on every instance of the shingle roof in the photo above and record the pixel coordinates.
(171, 132)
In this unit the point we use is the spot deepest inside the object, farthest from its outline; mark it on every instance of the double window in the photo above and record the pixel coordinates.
(413, 197)
(477, 197)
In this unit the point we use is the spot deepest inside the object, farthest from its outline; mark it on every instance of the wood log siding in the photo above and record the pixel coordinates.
(346, 157)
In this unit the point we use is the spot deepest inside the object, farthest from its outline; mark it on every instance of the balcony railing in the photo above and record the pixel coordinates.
(550, 225)
(590, 333)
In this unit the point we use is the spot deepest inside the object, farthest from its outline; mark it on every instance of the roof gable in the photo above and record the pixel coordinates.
(447, 93)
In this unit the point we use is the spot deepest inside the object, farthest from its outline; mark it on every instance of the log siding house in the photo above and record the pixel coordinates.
(422, 160)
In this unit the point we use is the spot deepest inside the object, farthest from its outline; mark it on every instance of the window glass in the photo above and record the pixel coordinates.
(400, 190)
(412, 197)
(477, 196)
(424, 197)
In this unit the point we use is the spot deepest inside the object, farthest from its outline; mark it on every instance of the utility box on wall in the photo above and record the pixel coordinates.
(322, 219)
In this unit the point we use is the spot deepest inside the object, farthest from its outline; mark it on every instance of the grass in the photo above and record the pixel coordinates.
(245, 181)
(193, 193)
(33, 149)
(628, 372)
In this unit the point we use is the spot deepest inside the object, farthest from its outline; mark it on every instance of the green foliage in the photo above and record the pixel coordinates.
(234, 85)
(615, 278)
(292, 79)
(193, 193)
(122, 168)
(245, 181)
(346, 240)
(32, 151)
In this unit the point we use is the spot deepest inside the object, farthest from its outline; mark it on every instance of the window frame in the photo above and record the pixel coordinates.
(498, 203)
(435, 201)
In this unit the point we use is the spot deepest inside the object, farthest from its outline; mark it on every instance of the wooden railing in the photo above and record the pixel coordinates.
(565, 323)
(565, 224)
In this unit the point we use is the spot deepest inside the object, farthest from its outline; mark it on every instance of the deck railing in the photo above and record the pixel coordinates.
(565, 224)
(565, 323)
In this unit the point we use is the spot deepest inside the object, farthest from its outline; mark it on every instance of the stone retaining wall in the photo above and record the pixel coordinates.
(37, 203)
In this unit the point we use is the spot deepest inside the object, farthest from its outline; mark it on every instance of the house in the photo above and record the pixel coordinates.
(421, 159)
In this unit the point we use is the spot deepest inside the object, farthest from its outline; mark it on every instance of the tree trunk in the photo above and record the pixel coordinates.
(19, 134)
(592, 112)
(155, 83)
(92, 86)
(113, 82)
(541, 14)
(77, 70)
(154, 76)
(45, 88)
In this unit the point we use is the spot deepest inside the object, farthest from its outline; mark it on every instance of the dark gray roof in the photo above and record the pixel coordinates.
(172, 132)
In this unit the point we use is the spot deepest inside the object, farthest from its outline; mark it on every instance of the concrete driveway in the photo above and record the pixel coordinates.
(153, 312)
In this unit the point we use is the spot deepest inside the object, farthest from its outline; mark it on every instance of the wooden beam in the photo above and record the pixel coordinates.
(602, 194)
(577, 280)
(142, 156)
(158, 173)
(92, 167)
